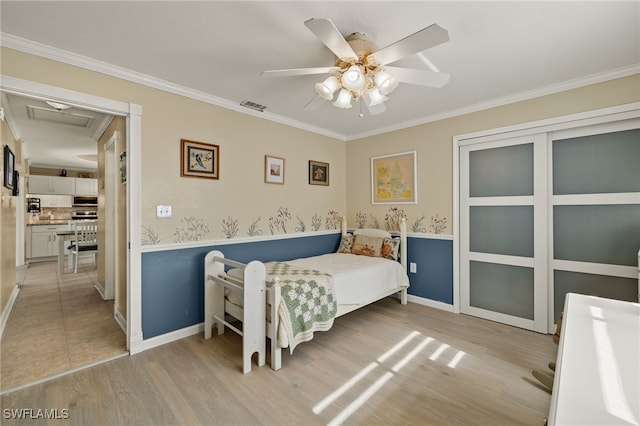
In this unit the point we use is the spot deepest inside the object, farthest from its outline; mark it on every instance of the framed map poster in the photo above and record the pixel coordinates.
(394, 179)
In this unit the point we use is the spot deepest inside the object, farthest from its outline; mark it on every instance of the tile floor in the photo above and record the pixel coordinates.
(58, 323)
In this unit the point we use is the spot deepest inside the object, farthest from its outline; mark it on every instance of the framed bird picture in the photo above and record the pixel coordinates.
(199, 159)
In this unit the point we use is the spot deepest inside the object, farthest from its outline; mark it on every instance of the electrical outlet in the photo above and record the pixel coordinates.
(413, 267)
(163, 211)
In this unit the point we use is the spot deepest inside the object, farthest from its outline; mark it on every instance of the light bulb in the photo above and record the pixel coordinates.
(375, 97)
(385, 82)
(344, 99)
(353, 78)
(327, 88)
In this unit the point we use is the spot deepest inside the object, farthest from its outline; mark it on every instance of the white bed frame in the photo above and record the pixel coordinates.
(258, 296)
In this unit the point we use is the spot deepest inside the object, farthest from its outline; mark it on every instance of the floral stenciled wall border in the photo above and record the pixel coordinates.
(196, 229)
(394, 215)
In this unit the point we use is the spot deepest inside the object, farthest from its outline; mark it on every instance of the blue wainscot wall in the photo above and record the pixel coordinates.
(172, 279)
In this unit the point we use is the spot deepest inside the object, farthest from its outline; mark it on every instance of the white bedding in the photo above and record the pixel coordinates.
(357, 279)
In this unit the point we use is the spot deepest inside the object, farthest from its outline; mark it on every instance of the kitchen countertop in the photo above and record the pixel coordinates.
(48, 222)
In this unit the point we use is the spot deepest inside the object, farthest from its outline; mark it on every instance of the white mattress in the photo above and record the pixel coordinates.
(357, 279)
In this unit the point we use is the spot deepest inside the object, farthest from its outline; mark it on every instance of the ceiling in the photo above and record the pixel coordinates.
(56, 138)
(499, 52)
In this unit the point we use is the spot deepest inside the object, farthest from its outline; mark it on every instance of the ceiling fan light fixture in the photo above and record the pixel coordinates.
(385, 82)
(375, 97)
(344, 99)
(353, 78)
(327, 88)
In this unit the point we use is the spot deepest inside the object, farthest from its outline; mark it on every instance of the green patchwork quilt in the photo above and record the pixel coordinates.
(308, 303)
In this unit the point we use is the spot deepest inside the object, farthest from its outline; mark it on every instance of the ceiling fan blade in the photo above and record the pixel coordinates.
(314, 104)
(297, 71)
(375, 109)
(419, 77)
(426, 38)
(328, 34)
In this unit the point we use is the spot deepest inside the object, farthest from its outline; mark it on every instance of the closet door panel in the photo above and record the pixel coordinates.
(608, 234)
(501, 172)
(500, 288)
(502, 230)
(597, 164)
(596, 285)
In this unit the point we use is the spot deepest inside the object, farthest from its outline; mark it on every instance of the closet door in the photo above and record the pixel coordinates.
(503, 223)
(595, 212)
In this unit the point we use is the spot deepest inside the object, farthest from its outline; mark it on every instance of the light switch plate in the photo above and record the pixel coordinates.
(413, 267)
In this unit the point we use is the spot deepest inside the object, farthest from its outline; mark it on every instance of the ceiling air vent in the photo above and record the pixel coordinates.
(253, 105)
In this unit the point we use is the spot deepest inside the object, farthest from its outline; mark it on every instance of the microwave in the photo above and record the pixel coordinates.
(85, 201)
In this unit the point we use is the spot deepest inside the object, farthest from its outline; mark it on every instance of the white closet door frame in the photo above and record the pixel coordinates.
(583, 200)
(538, 200)
(572, 122)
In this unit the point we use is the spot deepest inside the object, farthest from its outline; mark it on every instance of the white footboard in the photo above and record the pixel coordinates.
(252, 287)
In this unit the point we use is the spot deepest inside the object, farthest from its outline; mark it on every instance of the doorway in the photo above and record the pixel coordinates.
(132, 114)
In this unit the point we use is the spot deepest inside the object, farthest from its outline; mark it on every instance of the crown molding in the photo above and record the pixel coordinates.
(39, 49)
(518, 97)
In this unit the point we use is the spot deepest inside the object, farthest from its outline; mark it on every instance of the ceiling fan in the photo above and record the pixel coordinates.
(361, 71)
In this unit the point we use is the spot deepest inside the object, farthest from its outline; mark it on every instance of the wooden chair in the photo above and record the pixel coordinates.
(84, 243)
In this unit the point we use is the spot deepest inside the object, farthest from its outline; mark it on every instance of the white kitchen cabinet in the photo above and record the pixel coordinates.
(44, 241)
(86, 186)
(56, 201)
(55, 185)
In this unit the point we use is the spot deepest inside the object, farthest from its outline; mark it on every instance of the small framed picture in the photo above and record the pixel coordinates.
(273, 169)
(318, 173)
(9, 167)
(199, 159)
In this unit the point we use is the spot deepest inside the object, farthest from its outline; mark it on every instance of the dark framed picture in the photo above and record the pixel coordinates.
(318, 173)
(9, 167)
(199, 159)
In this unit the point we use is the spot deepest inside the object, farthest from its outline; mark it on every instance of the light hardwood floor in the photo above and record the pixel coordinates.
(383, 364)
(58, 323)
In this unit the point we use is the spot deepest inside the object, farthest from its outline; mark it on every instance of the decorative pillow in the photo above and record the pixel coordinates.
(368, 246)
(390, 248)
(346, 244)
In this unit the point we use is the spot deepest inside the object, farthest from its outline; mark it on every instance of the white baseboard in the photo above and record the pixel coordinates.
(172, 336)
(100, 289)
(6, 311)
(121, 321)
(430, 303)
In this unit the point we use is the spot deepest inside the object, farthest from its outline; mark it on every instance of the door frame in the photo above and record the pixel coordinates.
(110, 220)
(133, 114)
(582, 119)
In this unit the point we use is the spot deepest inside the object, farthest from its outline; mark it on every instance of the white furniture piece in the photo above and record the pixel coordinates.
(597, 377)
(57, 201)
(85, 242)
(63, 236)
(42, 240)
(86, 186)
(55, 185)
(254, 287)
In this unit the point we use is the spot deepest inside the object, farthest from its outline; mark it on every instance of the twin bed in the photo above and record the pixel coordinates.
(288, 301)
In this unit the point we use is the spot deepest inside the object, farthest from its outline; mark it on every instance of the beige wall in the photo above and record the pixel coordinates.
(201, 205)
(8, 219)
(434, 145)
(117, 125)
